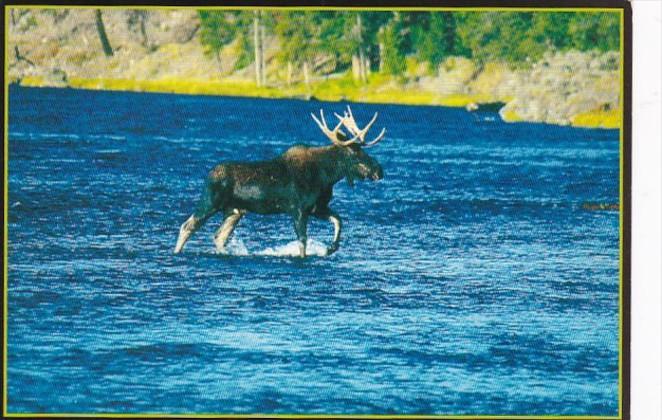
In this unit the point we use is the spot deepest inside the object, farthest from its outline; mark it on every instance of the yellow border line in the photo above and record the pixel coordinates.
(5, 283)
(319, 416)
(315, 416)
(620, 218)
(335, 8)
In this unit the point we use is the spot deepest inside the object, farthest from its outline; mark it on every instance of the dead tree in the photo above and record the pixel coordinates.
(101, 30)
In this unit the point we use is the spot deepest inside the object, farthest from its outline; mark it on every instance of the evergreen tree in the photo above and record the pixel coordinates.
(391, 57)
(595, 31)
(437, 38)
(365, 41)
(247, 28)
(298, 35)
(216, 30)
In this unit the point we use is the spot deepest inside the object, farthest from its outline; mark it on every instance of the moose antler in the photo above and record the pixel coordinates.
(350, 124)
(336, 135)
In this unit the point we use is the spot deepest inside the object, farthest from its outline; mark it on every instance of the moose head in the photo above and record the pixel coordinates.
(357, 164)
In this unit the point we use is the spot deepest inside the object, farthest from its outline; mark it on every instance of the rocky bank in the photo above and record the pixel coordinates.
(160, 50)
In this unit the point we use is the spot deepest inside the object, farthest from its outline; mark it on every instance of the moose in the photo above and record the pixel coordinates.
(299, 183)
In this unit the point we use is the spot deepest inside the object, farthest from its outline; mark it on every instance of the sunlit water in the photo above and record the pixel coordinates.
(469, 280)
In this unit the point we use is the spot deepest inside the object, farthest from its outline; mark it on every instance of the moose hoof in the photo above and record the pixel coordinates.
(330, 250)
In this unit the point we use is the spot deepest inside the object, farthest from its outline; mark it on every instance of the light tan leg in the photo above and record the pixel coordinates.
(337, 228)
(185, 231)
(223, 233)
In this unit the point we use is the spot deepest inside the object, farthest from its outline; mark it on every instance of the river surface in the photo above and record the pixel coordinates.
(471, 279)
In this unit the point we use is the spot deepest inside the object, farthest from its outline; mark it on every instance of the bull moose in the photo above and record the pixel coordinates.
(299, 183)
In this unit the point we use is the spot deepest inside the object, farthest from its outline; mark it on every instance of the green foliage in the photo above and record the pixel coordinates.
(216, 30)
(435, 37)
(551, 29)
(499, 36)
(393, 60)
(299, 37)
(388, 38)
(30, 22)
(244, 51)
(600, 31)
(220, 28)
(517, 37)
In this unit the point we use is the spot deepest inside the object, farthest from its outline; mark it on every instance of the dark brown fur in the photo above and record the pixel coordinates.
(299, 182)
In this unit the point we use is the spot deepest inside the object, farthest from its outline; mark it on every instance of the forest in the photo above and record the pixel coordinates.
(383, 41)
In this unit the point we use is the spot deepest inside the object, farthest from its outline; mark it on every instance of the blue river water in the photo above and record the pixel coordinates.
(470, 280)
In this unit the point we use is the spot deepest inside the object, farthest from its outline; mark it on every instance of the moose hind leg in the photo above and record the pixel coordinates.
(208, 205)
(301, 229)
(223, 233)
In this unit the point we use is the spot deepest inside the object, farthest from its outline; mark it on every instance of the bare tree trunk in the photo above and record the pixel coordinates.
(101, 29)
(192, 33)
(263, 66)
(137, 21)
(289, 73)
(143, 32)
(362, 58)
(382, 50)
(19, 57)
(356, 67)
(218, 60)
(256, 46)
(306, 75)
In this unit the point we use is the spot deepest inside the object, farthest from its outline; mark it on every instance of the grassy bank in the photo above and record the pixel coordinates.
(378, 89)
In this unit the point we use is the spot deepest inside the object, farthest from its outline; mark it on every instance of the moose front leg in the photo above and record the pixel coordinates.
(301, 229)
(337, 228)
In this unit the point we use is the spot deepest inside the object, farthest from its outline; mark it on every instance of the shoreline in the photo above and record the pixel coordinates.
(170, 53)
(330, 90)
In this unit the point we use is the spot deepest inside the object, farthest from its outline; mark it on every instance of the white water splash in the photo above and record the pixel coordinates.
(313, 248)
(236, 247)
